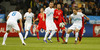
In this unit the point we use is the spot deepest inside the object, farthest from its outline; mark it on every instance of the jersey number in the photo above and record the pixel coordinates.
(14, 13)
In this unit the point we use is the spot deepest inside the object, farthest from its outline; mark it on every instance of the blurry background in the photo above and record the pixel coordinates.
(89, 7)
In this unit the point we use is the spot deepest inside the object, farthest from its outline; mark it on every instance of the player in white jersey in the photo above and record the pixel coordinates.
(28, 17)
(50, 25)
(12, 19)
(76, 26)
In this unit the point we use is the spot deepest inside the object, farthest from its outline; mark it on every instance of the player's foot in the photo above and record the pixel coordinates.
(75, 42)
(64, 43)
(3, 44)
(79, 42)
(45, 41)
(24, 38)
(63, 39)
(34, 34)
(24, 44)
(58, 40)
(50, 40)
(38, 39)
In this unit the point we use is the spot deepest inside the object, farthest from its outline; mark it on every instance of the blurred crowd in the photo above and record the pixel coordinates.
(89, 7)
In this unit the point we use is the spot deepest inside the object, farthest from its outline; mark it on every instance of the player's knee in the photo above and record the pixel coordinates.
(76, 30)
(18, 31)
(63, 30)
(69, 31)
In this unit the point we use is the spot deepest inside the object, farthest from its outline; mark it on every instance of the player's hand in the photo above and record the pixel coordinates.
(22, 30)
(65, 23)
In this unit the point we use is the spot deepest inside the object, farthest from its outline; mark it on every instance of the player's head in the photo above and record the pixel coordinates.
(41, 10)
(18, 10)
(51, 4)
(75, 10)
(58, 6)
(80, 10)
(29, 10)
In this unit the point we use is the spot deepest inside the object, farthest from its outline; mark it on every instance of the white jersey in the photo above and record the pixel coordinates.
(29, 17)
(14, 16)
(12, 20)
(50, 25)
(77, 18)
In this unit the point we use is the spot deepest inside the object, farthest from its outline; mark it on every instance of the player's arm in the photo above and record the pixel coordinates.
(86, 17)
(25, 16)
(54, 15)
(36, 20)
(70, 19)
(7, 17)
(21, 25)
(63, 18)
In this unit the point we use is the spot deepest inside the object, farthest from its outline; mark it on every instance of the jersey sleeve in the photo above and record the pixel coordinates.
(62, 17)
(46, 11)
(33, 15)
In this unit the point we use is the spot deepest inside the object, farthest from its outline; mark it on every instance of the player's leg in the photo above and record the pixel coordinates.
(27, 27)
(76, 35)
(57, 34)
(5, 37)
(63, 32)
(46, 34)
(52, 33)
(37, 31)
(8, 27)
(67, 35)
(16, 27)
(80, 34)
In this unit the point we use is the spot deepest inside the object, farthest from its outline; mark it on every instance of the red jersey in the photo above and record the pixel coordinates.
(40, 17)
(58, 13)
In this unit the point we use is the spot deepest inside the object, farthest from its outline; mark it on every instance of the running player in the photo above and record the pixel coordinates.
(82, 29)
(12, 23)
(58, 17)
(77, 16)
(28, 17)
(50, 25)
(42, 19)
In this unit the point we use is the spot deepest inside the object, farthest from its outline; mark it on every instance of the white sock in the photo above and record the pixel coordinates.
(21, 37)
(67, 36)
(26, 34)
(5, 37)
(52, 33)
(46, 34)
(76, 36)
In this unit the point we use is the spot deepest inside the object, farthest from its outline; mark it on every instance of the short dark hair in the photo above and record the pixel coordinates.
(51, 2)
(75, 9)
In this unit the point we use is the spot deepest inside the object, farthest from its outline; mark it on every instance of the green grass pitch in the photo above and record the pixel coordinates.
(14, 43)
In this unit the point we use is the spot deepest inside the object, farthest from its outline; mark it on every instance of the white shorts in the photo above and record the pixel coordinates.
(74, 26)
(27, 26)
(11, 25)
(50, 25)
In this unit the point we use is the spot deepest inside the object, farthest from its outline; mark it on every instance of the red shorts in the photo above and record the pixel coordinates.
(57, 25)
(41, 26)
(81, 30)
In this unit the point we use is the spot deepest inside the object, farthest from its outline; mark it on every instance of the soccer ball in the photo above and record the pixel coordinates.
(61, 25)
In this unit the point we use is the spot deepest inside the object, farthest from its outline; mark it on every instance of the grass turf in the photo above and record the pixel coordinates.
(14, 43)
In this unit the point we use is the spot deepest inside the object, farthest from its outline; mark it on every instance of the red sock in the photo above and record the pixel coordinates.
(37, 34)
(57, 34)
(80, 38)
(63, 34)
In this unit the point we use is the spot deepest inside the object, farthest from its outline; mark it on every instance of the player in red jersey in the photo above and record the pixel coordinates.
(41, 25)
(58, 17)
(82, 29)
